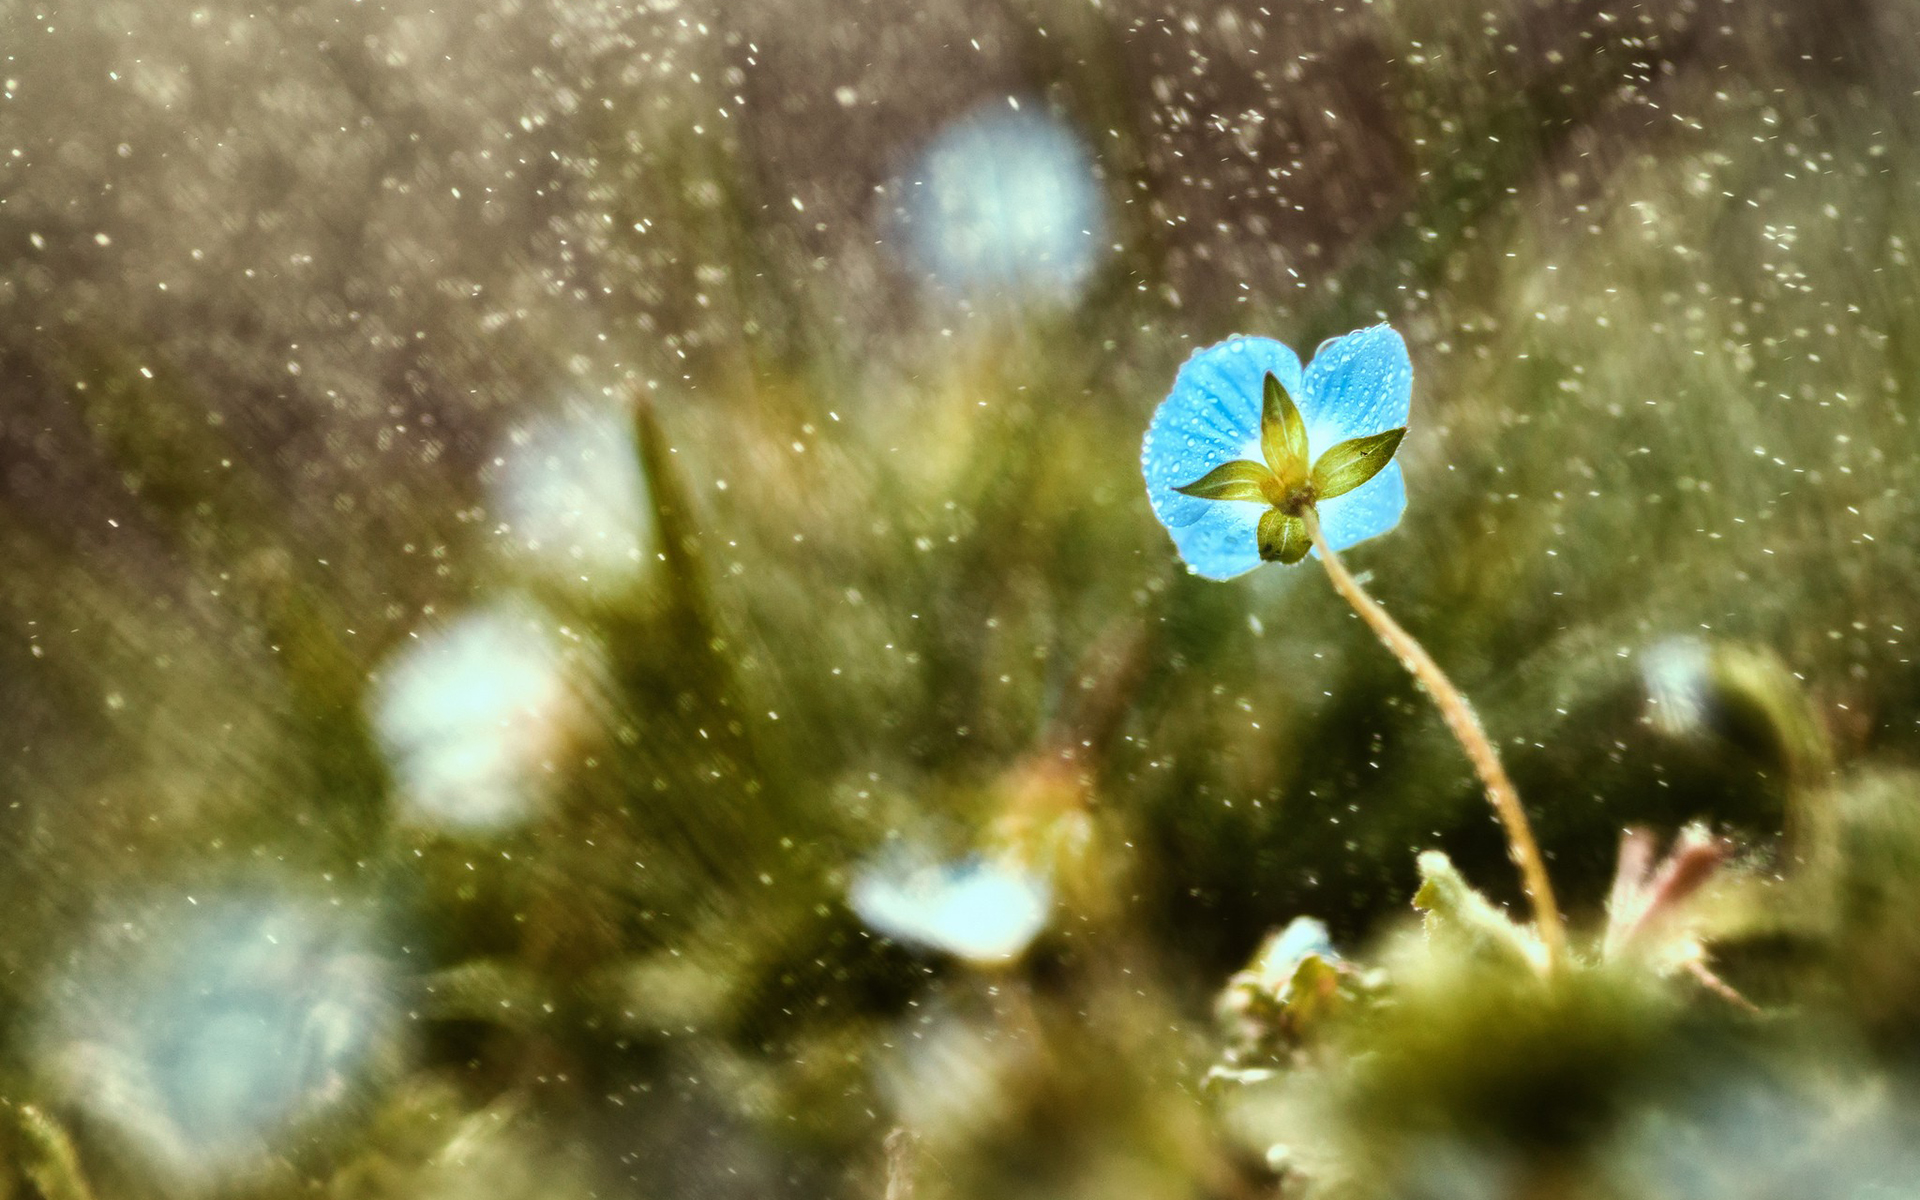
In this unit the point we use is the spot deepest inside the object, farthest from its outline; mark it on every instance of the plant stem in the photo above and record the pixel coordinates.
(1466, 729)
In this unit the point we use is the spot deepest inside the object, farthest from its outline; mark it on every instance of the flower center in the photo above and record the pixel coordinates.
(1291, 499)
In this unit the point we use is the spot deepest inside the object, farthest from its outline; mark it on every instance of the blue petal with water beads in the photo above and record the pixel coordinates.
(1356, 385)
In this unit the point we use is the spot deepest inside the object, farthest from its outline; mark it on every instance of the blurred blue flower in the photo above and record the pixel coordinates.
(212, 1034)
(1006, 201)
(978, 909)
(1357, 386)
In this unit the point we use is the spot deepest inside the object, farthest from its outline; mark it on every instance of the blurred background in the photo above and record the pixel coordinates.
(580, 619)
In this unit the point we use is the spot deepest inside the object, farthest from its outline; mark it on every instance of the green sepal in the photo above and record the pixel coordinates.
(1283, 538)
(1353, 462)
(1283, 434)
(1231, 481)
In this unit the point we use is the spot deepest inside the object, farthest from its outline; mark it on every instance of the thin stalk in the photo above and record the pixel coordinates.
(1465, 726)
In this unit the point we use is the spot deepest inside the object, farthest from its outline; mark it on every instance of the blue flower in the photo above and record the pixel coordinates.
(1227, 453)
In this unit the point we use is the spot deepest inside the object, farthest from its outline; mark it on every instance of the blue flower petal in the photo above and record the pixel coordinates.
(1224, 541)
(1211, 417)
(1356, 385)
(1365, 512)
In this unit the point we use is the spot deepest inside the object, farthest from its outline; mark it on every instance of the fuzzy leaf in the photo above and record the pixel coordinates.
(1353, 462)
(1461, 919)
(1283, 433)
(1283, 538)
(1231, 481)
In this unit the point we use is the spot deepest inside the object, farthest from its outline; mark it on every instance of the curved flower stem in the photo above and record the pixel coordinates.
(1465, 726)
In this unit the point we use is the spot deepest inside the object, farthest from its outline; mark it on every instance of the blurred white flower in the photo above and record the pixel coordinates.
(469, 715)
(571, 494)
(1006, 201)
(206, 1041)
(977, 909)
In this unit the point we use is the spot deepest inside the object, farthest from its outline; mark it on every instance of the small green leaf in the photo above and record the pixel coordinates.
(1231, 481)
(1353, 462)
(1283, 538)
(1283, 434)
